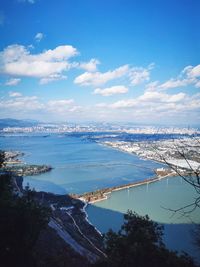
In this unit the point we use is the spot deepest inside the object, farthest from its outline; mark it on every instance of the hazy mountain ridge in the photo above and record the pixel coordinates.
(9, 122)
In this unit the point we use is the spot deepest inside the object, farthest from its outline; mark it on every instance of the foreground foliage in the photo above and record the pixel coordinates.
(21, 222)
(139, 244)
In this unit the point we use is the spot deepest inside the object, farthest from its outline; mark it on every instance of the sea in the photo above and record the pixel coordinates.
(82, 164)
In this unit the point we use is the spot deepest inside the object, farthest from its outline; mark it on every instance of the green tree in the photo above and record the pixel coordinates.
(139, 244)
(197, 236)
(21, 221)
(2, 158)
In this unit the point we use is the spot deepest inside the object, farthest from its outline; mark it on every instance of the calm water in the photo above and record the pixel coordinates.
(155, 200)
(82, 165)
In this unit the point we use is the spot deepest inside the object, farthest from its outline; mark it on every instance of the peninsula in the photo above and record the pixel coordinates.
(15, 165)
(102, 194)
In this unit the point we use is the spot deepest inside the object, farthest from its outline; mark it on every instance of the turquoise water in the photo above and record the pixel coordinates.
(155, 200)
(79, 165)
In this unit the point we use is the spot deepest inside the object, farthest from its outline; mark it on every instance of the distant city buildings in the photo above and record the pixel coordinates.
(64, 128)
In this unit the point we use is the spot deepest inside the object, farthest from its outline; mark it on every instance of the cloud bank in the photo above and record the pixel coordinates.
(16, 60)
(113, 90)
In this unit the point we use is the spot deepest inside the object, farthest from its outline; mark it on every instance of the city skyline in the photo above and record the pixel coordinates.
(130, 61)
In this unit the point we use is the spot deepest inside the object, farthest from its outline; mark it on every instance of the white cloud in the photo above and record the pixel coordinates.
(151, 106)
(76, 109)
(19, 104)
(39, 36)
(192, 72)
(135, 75)
(13, 82)
(124, 104)
(149, 99)
(175, 98)
(62, 106)
(52, 78)
(17, 60)
(101, 105)
(189, 76)
(139, 75)
(51, 65)
(161, 97)
(99, 78)
(173, 83)
(193, 103)
(90, 66)
(60, 103)
(197, 84)
(15, 94)
(22, 104)
(119, 89)
(152, 86)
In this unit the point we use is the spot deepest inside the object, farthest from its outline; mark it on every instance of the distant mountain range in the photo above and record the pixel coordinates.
(16, 123)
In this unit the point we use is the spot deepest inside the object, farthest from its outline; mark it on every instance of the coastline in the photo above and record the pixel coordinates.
(155, 156)
(103, 194)
(107, 194)
(86, 216)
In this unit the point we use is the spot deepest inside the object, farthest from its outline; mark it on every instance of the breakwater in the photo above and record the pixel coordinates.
(102, 194)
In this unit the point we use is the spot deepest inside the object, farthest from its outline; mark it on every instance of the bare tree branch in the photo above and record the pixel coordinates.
(189, 174)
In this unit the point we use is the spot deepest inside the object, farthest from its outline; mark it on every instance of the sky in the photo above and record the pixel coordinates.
(132, 61)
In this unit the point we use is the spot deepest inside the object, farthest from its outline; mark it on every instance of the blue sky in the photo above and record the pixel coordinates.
(92, 60)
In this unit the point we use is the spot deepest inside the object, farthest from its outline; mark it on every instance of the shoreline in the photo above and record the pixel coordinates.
(109, 191)
(103, 194)
(135, 154)
(86, 216)
(167, 162)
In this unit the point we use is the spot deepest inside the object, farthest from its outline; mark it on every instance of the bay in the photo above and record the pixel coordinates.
(79, 165)
(157, 200)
